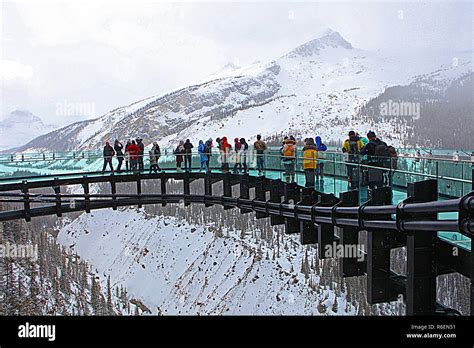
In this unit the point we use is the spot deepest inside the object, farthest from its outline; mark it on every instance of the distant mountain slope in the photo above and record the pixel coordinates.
(317, 88)
(442, 110)
(20, 127)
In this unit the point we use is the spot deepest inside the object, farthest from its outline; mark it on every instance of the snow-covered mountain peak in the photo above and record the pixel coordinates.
(231, 66)
(329, 38)
(22, 116)
(233, 70)
(21, 126)
(316, 88)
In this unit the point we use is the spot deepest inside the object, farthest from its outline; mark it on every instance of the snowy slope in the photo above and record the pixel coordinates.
(80, 134)
(316, 88)
(179, 268)
(20, 127)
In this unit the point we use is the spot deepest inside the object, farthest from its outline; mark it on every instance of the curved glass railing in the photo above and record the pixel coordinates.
(336, 172)
(454, 177)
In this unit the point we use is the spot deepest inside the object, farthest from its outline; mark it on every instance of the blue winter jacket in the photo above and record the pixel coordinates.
(319, 144)
(201, 149)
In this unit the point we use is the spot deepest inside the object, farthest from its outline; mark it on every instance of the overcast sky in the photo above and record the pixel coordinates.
(101, 54)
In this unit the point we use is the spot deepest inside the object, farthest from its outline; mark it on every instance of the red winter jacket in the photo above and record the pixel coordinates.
(134, 151)
(225, 146)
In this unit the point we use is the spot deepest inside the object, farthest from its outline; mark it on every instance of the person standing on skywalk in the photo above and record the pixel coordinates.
(188, 148)
(259, 147)
(118, 147)
(202, 156)
(179, 153)
(134, 152)
(310, 155)
(108, 154)
(141, 155)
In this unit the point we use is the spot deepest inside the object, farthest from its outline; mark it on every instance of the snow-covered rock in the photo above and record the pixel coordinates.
(179, 268)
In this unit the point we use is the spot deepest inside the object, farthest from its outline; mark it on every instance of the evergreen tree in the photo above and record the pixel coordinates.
(95, 300)
(110, 305)
(334, 305)
(35, 307)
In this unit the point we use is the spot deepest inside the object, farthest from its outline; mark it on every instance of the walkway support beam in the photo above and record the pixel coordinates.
(349, 263)
(276, 191)
(208, 188)
(139, 189)
(113, 190)
(57, 191)
(26, 204)
(326, 230)
(308, 229)
(87, 200)
(163, 181)
(245, 191)
(227, 188)
(186, 188)
(380, 285)
(421, 260)
(260, 195)
(292, 193)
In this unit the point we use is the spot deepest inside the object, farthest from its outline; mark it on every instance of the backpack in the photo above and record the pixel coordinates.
(259, 145)
(382, 150)
(394, 155)
(353, 147)
(382, 154)
(289, 150)
(353, 150)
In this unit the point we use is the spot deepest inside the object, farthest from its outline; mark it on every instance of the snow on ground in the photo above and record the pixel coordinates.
(180, 268)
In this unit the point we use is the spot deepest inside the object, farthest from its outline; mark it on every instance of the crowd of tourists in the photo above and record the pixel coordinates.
(235, 156)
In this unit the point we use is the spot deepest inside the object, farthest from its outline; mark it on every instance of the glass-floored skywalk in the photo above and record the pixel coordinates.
(454, 177)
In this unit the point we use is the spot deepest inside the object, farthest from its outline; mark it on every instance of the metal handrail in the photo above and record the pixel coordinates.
(306, 213)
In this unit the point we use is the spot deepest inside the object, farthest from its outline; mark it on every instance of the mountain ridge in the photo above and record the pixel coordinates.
(315, 88)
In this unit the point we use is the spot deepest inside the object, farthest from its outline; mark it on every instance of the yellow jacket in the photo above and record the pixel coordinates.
(346, 146)
(310, 154)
